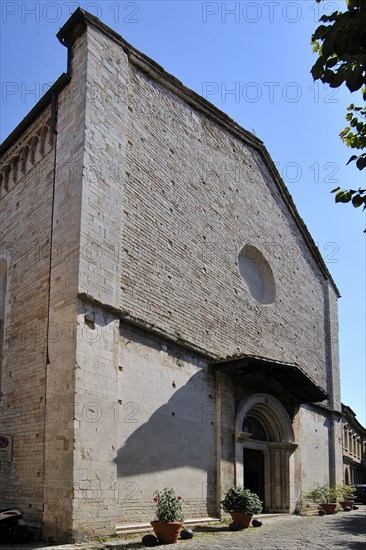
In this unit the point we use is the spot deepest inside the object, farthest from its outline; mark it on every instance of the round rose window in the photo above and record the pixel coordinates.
(257, 274)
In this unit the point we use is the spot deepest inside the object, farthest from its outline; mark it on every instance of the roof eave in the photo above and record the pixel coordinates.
(292, 377)
(39, 107)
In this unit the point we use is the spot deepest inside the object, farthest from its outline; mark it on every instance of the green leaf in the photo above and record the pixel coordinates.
(332, 62)
(318, 67)
(318, 32)
(358, 201)
(352, 158)
(345, 131)
(333, 16)
(361, 163)
(343, 196)
(340, 42)
(354, 40)
(337, 79)
(328, 45)
(355, 81)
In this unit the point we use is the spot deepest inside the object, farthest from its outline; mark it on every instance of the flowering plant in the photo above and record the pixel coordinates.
(169, 506)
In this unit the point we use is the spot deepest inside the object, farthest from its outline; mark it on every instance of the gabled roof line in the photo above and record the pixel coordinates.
(33, 114)
(78, 23)
(350, 417)
(76, 26)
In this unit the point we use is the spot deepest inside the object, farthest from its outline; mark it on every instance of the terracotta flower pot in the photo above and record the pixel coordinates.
(329, 507)
(167, 533)
(345, 503)
(242, 519)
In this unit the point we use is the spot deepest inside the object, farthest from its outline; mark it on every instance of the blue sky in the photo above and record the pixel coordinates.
(252, 60)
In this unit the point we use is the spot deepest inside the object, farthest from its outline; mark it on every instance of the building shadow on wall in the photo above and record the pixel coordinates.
(179, 434)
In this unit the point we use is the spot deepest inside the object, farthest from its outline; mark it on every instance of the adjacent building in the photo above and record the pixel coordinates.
(354, 448)
(166, 317)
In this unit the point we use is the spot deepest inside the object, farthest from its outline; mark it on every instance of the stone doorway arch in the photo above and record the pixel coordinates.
(272, 435)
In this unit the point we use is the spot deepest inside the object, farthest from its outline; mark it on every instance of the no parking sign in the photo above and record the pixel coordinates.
(6, 445)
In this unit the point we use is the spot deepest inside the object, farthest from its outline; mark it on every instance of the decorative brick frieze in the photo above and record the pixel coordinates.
(26, 153)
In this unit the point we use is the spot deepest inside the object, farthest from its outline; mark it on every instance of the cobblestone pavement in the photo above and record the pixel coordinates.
(346, 530)
(298, 533)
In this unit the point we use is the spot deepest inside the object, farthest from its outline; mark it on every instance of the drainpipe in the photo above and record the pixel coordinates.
(218, 441)
(332, 416)
(53, 124)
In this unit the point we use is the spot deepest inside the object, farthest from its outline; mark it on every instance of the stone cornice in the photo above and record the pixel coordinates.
(326, 409)
(126, 317)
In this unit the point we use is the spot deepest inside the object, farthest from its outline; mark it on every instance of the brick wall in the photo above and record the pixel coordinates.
(194, 195)
(62, 371)
(25, 245)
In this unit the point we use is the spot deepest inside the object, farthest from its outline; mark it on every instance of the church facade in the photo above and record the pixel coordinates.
(166, 318)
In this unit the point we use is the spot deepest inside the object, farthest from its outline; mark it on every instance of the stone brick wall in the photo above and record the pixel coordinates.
(96, 423)
(37, 400)
(103, 178)
(312, 433)
(166, 427)
(194, 195)
(61, 374)
(25, 195)
(96, 381)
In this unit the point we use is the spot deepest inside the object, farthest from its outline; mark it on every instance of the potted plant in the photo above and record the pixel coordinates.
(169, 516)
(241, 504)
(346, 495)
(325, 496)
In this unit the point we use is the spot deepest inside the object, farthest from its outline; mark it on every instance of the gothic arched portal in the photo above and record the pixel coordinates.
(265, 442)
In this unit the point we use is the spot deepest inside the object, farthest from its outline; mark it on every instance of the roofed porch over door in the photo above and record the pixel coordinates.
(266, 395)
(289, 375)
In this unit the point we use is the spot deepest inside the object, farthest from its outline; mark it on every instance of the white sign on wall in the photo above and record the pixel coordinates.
(6, 446)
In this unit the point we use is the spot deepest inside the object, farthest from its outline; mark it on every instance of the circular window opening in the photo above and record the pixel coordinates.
(257, 274)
